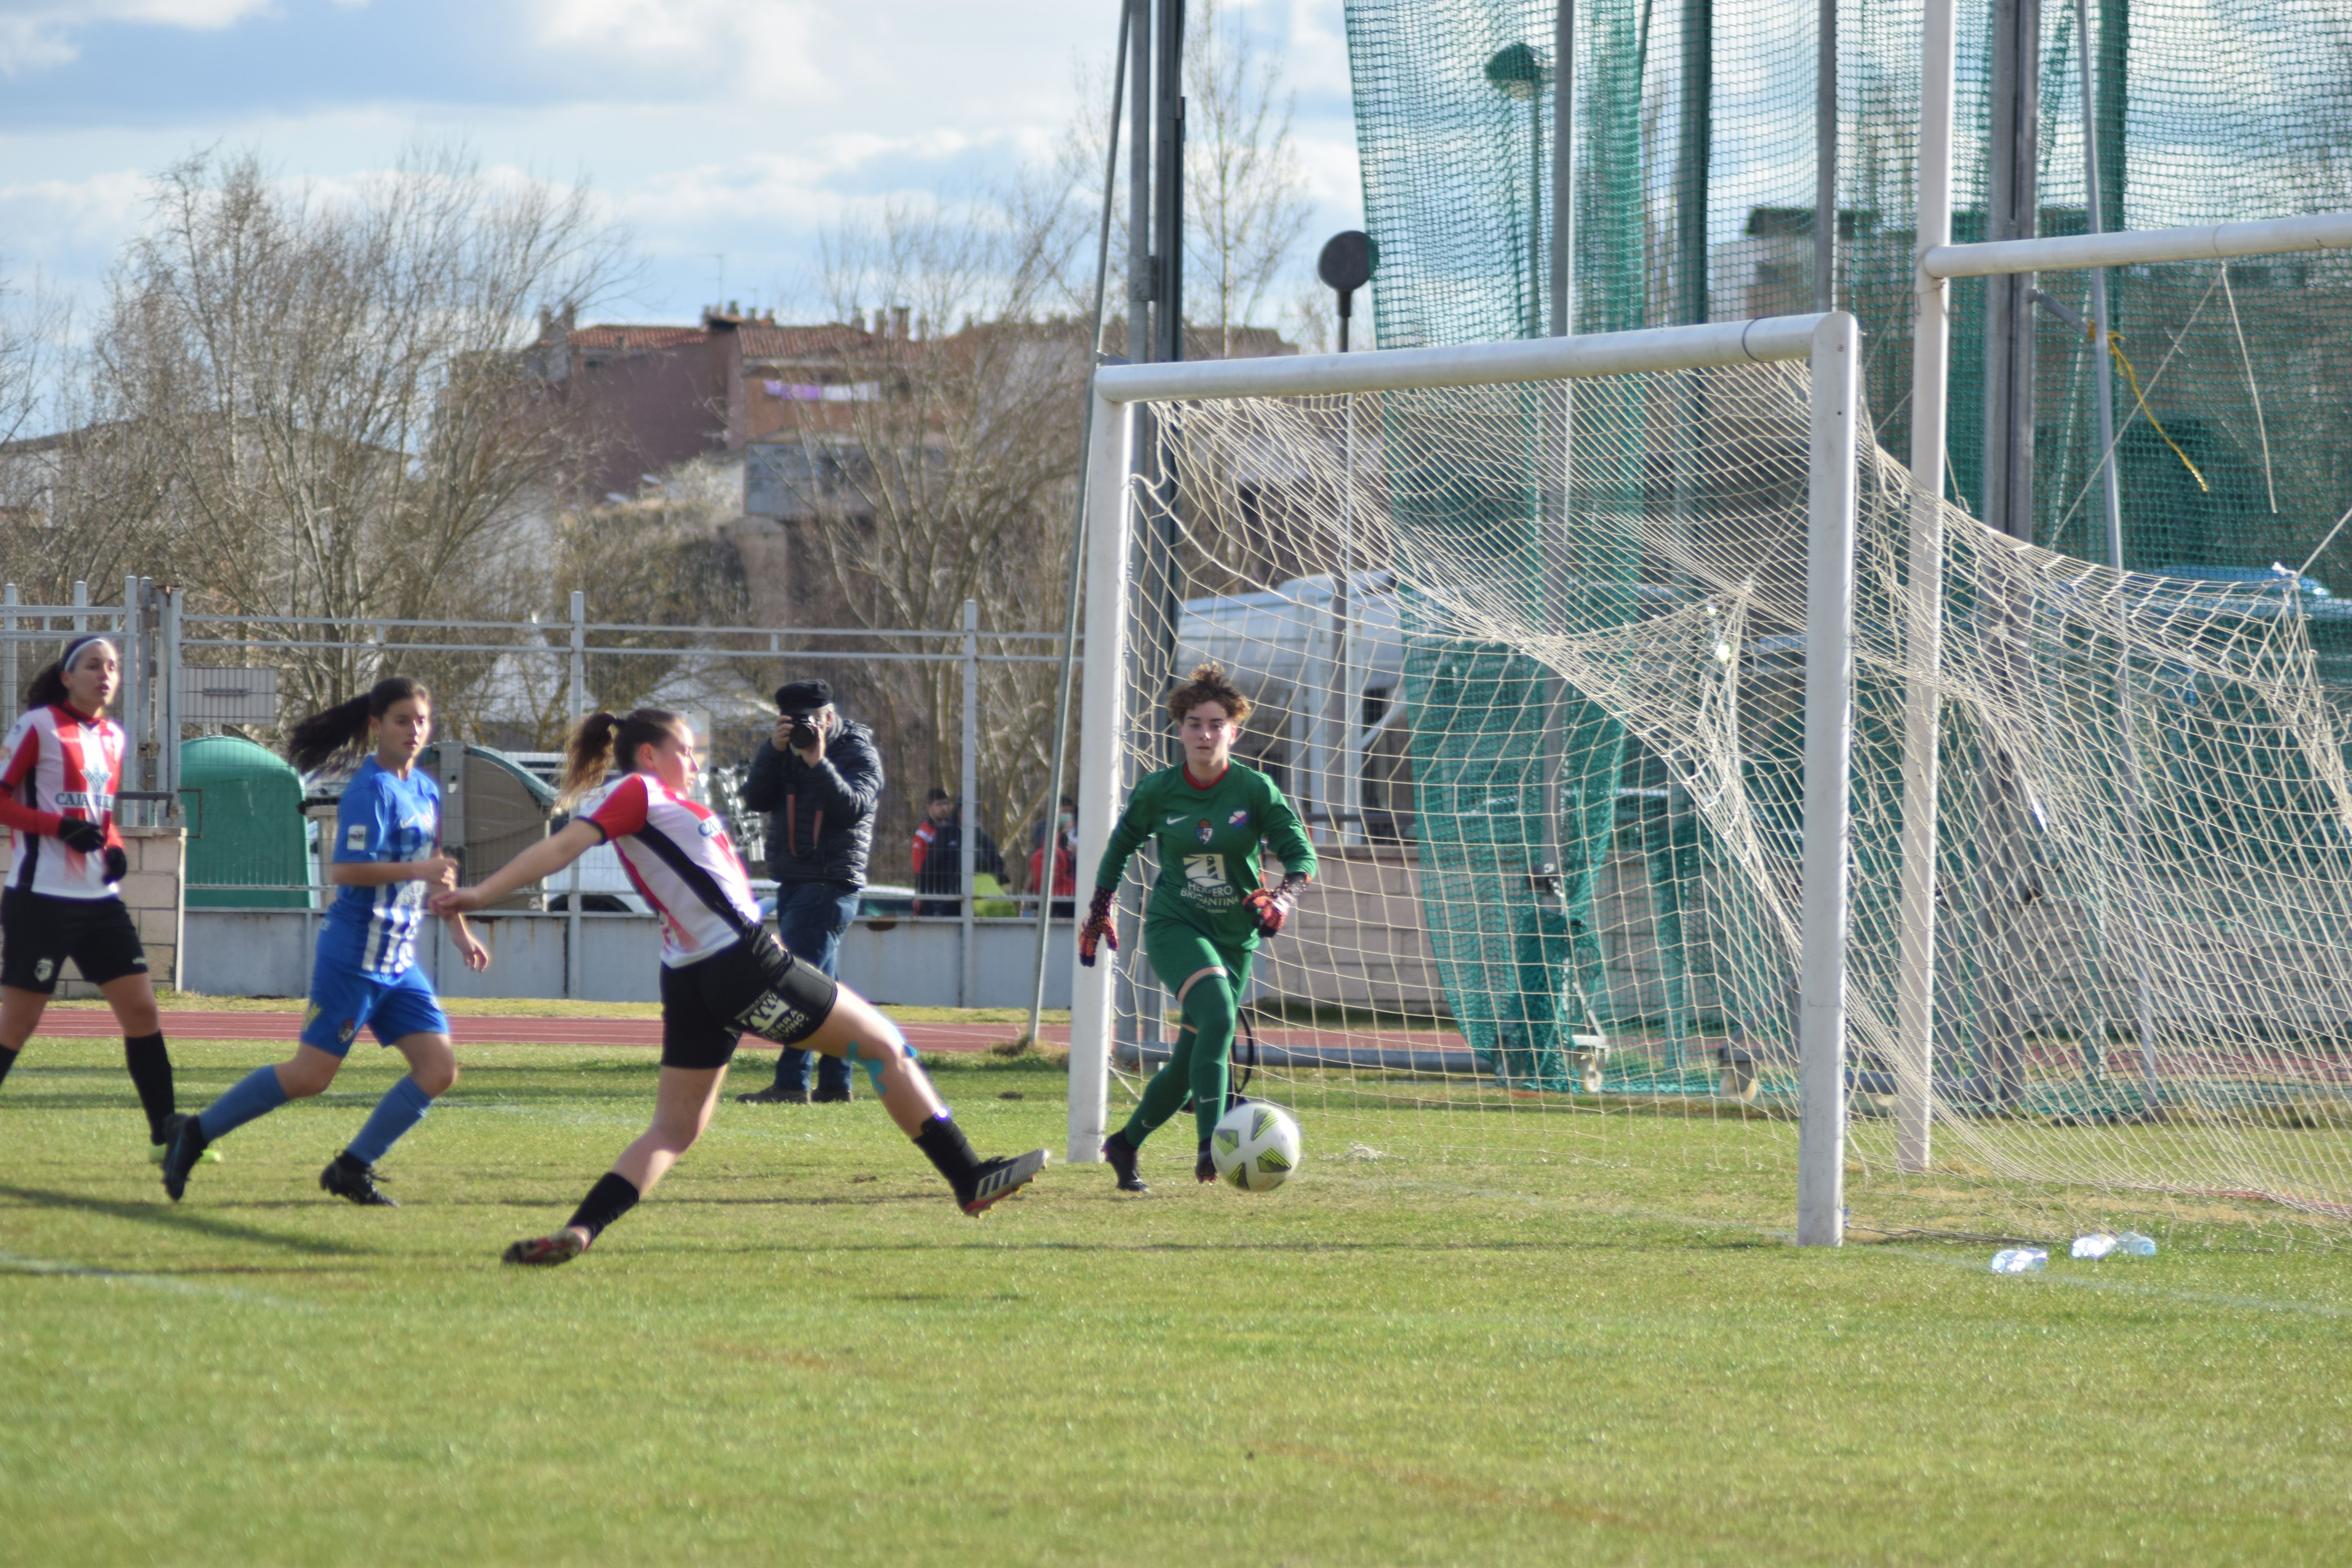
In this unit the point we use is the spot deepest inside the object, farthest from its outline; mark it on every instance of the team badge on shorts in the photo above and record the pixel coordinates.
(350, 1027)
(1205, 832)
(44, 969)
(773, 1018)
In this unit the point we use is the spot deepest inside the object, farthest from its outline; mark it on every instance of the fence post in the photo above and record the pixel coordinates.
(8, 653)
(167, 761)
(968, 980)
(81, 603)
(576, 701)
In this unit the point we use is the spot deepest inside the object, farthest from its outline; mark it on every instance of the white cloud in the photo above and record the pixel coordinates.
(39, 35)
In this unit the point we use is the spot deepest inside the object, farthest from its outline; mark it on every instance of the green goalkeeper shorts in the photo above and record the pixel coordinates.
(1179, 950)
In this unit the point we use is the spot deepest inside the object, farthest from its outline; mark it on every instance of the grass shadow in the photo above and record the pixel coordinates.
(184, 1220)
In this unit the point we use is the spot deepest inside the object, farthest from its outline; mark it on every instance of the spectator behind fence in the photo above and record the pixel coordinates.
(817, 777)
(1065, 860)
(938, 856)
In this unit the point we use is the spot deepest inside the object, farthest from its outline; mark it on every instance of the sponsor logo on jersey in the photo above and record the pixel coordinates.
(1205, 832)
(1204, 870)
(708, 828)
(1239, 818)
(355, 838)
(94, 800)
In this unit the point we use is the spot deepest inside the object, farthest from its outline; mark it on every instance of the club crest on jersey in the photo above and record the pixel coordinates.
(1239, 818)
(1205, 832)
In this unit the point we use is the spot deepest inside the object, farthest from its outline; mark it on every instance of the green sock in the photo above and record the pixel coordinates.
(1164, 1094)
(1209, 1008)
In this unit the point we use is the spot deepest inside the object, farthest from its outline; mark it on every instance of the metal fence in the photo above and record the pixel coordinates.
(189, 673)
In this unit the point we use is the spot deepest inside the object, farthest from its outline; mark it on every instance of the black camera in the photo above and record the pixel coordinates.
(803, 733)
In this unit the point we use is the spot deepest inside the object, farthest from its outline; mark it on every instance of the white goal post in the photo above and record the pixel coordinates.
(1828, 343)
(1940, 260)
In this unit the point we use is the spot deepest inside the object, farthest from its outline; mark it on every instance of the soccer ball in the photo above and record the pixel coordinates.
(1255, 1146)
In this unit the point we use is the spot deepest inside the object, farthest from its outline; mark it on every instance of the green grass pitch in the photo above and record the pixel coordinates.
(798, 1350)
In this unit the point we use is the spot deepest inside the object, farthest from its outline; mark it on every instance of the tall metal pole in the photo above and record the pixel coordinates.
(2111, 493)
(1137, 23)
(1825, 158)
(1931, 342)
(1077, 545)
(1695, 146)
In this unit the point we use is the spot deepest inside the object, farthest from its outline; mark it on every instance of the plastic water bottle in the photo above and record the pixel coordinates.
(2098, 1243)
(2135, 1244)
(2020, 1260)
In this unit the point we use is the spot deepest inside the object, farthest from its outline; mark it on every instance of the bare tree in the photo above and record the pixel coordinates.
(1246, 203)
(941, 470)
(1245, 199)
(328, 399)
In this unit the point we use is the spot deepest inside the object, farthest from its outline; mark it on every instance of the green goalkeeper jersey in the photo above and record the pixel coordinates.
(1209, 841)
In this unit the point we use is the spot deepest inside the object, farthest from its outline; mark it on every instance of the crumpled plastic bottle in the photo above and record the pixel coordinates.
(2020, 1260)
(2098, 1243)
(2132, 1244)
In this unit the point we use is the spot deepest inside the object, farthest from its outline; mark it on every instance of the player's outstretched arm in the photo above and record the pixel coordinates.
(542, 860)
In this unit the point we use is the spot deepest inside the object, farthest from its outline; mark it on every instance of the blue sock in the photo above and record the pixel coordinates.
(255, 1094)
(404, 1105)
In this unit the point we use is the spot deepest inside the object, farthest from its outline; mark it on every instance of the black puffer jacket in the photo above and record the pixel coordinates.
(821, 818)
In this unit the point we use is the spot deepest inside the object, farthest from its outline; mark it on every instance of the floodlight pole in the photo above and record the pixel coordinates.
(1825, 151)
(1931, 339)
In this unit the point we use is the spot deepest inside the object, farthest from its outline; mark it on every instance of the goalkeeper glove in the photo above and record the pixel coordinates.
(77, 834)
(118, 864)
(1098, 928)
(1273, 906)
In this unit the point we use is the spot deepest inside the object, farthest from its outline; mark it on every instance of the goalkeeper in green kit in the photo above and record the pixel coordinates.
(1207, 912)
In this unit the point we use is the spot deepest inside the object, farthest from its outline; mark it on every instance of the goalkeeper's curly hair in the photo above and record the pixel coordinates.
(1209, 683)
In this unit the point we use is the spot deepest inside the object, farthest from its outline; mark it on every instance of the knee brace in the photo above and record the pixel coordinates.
(877, 1055)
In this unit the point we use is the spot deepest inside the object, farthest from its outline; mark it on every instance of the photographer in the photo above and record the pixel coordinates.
(817, 777)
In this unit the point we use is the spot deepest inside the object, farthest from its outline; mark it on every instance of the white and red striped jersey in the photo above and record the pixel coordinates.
(678, 855)
(56, 764)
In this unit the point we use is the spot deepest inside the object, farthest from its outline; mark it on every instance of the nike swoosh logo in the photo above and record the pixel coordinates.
(1182, 816)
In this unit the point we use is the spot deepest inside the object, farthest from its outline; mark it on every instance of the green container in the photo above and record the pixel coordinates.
(247, 848)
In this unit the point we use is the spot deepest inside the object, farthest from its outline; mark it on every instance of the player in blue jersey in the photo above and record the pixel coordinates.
(385, 860)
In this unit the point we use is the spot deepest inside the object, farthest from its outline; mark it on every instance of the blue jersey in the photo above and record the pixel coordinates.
(382, 818)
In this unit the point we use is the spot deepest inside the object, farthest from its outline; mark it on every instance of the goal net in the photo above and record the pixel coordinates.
(1530, 659)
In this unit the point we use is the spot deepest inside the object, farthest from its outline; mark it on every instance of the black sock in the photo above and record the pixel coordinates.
(150, 1075)
(7, 1060)
(608, 1200)
(944, 1142)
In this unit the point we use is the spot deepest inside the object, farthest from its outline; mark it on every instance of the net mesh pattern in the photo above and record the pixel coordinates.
(1530, 661)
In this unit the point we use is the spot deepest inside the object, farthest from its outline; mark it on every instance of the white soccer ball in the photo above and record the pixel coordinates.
(1255, 1146)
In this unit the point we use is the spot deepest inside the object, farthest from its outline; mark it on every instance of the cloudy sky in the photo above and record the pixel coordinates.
(724, 133)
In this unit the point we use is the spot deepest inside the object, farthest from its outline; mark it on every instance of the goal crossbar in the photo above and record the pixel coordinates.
(1830, 344)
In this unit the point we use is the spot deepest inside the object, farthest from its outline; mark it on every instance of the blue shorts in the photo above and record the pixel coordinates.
(341, 1000)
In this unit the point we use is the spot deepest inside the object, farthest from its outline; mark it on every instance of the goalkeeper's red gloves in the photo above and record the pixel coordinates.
(1098, 928)
(1273, 906)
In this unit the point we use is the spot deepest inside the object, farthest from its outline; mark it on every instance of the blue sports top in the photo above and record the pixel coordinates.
(380, 817)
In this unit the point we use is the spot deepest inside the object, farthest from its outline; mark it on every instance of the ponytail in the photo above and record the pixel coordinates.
(49, 681)
(49, 685)
(589, 755)
(344, 727)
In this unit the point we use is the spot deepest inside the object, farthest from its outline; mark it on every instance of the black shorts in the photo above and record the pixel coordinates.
(39, 931)
(754, 987)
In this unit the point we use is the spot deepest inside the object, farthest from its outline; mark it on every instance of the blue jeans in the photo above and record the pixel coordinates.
(809, 918)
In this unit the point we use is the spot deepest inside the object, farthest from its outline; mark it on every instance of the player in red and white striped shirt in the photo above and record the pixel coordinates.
(58, 771)
(723, 975)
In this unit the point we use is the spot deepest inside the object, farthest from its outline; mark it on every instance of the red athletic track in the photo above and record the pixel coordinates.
(96, 1023)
